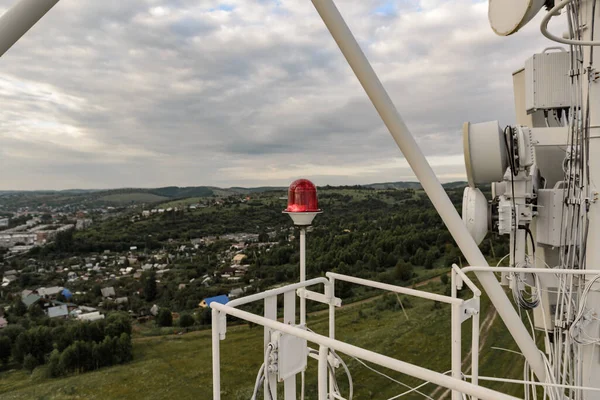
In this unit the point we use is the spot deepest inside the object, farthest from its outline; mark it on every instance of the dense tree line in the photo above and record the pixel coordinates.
(68, 346)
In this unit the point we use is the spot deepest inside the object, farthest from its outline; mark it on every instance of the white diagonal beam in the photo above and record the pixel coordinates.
(15, 22)
(415, 157)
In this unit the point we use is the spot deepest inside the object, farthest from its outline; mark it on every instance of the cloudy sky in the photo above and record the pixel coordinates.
(147, 93)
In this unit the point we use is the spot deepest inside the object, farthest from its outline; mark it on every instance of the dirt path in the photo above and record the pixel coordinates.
(484, 330)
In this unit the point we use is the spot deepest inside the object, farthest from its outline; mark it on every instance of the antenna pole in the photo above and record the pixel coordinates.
(406, 142)
(590, 31)
(302, 274)
(15, 22)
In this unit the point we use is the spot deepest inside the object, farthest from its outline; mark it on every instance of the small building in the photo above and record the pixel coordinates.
(3, 322)
(83, 223)
(154, 310)
(236, 293)
(31, 299)
(239, 258)
(222, 299)
(8, 279)
(93, 316)
(61, 311)
(51, 292)
(121, 300)
(67, 294)
(4, 222)
(108, 292)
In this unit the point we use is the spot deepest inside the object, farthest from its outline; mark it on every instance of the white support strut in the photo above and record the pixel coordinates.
(416, 159)
(15, 22)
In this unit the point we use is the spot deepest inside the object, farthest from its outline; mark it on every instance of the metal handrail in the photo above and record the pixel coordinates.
(277, 291)
(396, 289)
(351, 350)
(558, 271)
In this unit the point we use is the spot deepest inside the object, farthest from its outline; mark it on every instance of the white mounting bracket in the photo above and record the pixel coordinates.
(318, 297)
(469, 308)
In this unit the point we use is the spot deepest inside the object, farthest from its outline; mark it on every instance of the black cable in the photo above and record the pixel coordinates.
(528, 231)
(511, 158)
(509, 152)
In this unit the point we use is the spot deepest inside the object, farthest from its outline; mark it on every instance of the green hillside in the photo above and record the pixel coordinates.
(179, 366)
(127, 198)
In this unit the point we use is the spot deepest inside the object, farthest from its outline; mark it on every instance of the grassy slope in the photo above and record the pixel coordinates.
(180, 366)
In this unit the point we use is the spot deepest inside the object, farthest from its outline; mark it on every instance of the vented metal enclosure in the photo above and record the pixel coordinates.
(547, 81)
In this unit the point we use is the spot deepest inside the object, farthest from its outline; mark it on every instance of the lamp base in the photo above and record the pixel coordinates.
(302, 218)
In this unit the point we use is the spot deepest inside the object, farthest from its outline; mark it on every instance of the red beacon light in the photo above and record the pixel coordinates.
(303, 204)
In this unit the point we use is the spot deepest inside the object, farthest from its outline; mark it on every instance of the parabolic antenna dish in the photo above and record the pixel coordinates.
(486, 158)
(508, 16)
(475, 213)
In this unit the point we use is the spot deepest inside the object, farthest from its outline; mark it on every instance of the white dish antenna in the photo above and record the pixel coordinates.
(485, 152)
(475, 213)
(508, 16)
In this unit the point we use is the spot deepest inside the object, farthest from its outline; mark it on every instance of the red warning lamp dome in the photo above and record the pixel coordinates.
(303, 205)
(302, 197)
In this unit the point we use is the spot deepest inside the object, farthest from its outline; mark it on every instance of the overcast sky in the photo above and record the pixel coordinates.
(148, 93)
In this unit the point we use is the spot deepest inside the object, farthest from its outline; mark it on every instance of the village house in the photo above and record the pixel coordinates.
(49, 293)
(61, 311)
(238, 259)
(108, 292)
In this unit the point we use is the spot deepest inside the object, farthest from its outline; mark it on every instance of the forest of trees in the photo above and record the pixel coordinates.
(66, 346)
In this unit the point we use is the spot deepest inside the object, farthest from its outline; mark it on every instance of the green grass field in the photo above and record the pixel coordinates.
(179, 366)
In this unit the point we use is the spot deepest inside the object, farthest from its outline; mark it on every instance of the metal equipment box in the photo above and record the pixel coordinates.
(548, 81)
(548, 227)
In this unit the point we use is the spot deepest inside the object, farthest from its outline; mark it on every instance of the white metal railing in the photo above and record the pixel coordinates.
(461, 310)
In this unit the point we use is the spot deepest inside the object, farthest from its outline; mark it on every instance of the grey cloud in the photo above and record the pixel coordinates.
(198, 95)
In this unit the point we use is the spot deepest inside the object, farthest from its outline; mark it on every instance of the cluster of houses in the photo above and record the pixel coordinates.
(33, 233)
(236, 271)
(47, 299)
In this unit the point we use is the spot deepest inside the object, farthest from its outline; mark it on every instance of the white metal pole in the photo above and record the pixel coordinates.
(216, 356)
(15, 22)
(409, 147)
(322, 383)
(475, 350)
(330, 292)
(455, 337)
(590, 23)
(302, 298)
(302, 274)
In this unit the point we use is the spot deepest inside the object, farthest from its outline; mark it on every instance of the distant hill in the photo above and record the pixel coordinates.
(410, 185)
(75, 198)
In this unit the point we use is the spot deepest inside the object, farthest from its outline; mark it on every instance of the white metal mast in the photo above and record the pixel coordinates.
(589, 17)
